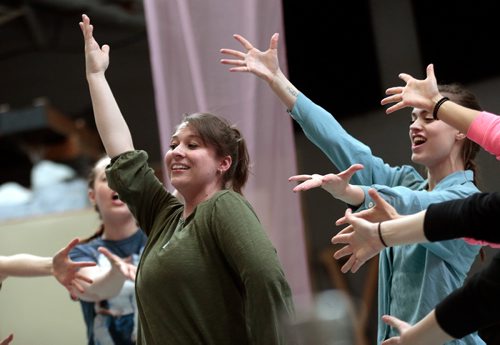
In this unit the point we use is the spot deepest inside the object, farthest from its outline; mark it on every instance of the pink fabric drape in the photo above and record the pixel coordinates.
(185, 38)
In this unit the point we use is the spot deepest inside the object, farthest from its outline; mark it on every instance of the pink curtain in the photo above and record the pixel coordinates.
(185, 38)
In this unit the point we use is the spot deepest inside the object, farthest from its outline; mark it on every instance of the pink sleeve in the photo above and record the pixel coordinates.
(481, 242)
(485, 130)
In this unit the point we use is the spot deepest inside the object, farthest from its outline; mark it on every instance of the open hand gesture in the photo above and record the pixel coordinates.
(361, 242)
(401, 326)
(96, 57)
(416, 93)
(265, 64)
(361, 236)
(335, 184)
(66, 271)
(128, 270)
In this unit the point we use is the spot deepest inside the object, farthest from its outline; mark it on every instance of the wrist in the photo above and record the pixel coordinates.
(380, 236)
(91, 76)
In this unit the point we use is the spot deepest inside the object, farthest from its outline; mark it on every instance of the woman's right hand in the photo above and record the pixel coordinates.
(265, 64)
(96, 57)
(416, 93)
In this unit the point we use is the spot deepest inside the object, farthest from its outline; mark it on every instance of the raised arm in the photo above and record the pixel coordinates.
(424, 94)
(111, 125)
(264, 65)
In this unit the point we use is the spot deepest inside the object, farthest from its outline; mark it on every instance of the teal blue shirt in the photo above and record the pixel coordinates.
(412, 278)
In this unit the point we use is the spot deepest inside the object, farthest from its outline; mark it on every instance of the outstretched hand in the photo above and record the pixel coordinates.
(96, 57)
(361, 242)
(128, 270)
(265, 64)
(335, 184)
(361, 236)
(416, 93)
(378, 213)
(66, 271)
(401, 326)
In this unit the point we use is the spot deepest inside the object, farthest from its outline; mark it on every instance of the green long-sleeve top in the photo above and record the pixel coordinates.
(213, 278)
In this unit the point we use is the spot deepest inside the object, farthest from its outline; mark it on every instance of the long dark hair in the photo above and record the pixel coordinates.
(227, 141)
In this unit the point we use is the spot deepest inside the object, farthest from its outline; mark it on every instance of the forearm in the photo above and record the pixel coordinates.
(353, 195)
(106, 284)
(426, 332)
(284, 89)
(110, 123)
(25, 265)
(456, 115)
(404, 230)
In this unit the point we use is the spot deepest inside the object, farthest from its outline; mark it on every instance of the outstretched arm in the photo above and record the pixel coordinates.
(424, 332)
(424, 94)
(363, 241)
(111, 125)
(337, 185)
(60, 266)
(264, 65)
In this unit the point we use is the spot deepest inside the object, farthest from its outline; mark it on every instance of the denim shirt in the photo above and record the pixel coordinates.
(412, 278)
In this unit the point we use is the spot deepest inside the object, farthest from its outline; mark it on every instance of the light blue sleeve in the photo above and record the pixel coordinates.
(343, 150)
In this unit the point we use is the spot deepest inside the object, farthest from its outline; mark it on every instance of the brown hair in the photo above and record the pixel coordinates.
(458, 94)
(227, 141)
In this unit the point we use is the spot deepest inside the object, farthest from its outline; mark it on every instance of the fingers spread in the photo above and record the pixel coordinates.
(344, 251)
(243, 41)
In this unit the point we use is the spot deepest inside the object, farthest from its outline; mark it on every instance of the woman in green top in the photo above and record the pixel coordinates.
(208, 273)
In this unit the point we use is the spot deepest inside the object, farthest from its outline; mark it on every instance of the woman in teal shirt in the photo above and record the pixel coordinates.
(413, 278)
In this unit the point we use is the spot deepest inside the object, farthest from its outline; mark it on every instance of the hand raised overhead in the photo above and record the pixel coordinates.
(265, 64)
(96, 57)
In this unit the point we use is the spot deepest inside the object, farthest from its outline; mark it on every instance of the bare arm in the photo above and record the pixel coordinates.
(25, 265)
(107, 283)
(264, 65)
(60, 266)
(111, 125)
(424, 94)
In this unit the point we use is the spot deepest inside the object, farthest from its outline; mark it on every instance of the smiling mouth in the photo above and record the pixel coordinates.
(417, 141)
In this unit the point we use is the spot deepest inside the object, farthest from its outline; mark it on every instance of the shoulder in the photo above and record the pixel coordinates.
(230, 198)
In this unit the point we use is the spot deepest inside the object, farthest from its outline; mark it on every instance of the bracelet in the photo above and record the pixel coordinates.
(380, 235)
(437, 106)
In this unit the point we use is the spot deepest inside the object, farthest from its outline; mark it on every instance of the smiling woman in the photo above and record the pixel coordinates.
(444, 151)
(219, 280)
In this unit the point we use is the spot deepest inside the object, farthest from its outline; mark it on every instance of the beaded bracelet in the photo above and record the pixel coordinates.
(437, 106)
